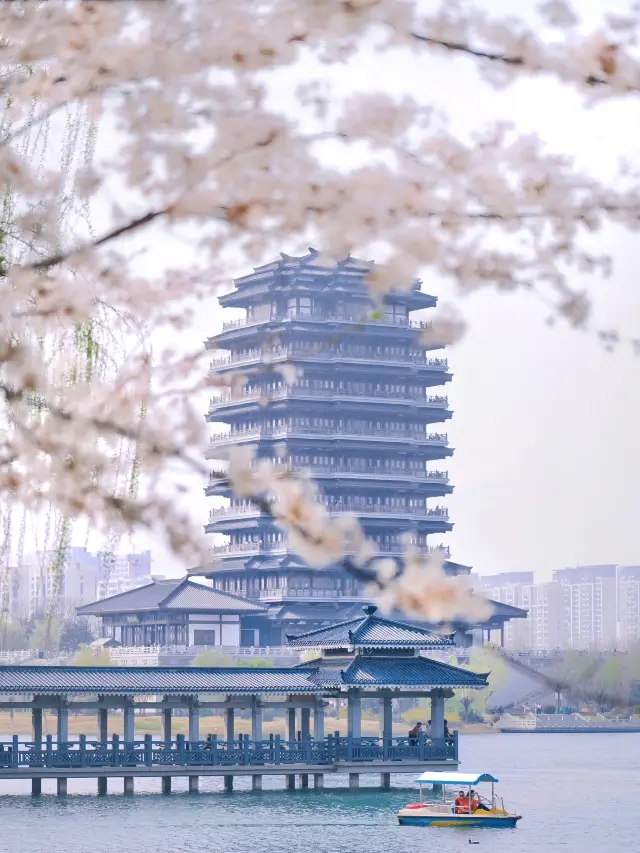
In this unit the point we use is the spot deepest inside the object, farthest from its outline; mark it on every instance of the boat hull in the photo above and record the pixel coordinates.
(467, 821)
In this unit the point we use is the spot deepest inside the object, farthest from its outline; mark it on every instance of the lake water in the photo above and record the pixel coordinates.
(577, 794)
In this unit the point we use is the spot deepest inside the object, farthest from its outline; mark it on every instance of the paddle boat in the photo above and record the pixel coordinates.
(491, 813)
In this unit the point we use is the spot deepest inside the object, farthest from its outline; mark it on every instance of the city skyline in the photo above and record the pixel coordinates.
(581, 607)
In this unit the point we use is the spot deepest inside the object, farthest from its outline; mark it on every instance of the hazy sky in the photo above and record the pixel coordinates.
(546, 423)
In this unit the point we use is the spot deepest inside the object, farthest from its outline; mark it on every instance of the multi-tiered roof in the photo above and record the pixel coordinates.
(365, 417)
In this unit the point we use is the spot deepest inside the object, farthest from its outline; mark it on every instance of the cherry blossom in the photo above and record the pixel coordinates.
(200, 147)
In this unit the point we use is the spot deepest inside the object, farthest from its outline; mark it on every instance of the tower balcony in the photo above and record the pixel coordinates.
(424, 519)
(435, 445)
(384, 357)
(246, 401)
(233, 329)
(434, 483)
(258, 548)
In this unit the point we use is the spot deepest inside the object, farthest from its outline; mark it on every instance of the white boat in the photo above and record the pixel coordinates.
(468, 811)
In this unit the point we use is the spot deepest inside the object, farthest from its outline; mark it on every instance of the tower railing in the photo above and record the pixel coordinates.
(438, 400)
(314, 316)
(356, 508)
(282, 547)
(326, 354)
(352, 468)
(341, 432)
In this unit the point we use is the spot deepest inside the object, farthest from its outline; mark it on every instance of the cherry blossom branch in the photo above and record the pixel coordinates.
(512, 61)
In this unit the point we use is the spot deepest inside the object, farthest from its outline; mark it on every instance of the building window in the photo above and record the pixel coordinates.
(204, 638)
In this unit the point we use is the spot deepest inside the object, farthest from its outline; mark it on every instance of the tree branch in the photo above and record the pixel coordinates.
(512, 61)
(60, 257)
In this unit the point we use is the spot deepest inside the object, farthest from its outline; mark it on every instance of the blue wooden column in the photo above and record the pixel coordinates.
(386, 733)
(291, 745)
(230, 735)
(318, 736)
(354, 729)
(36, 716)
(256, 736)
(305, 731)
(62, 737)
(103, 737)
(437, 715)
(129, 736)
(194, 738)
(166, 735)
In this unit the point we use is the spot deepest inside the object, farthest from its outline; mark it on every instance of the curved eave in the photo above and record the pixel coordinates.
(228, 525)
(229, 408)
(390, 685)
(445, 644)
(397, 369)
(425, 487)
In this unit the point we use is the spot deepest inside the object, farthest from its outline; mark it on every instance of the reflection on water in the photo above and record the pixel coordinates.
(594, 776)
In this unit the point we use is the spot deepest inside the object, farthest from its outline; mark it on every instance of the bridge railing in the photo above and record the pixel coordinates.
(275, 750)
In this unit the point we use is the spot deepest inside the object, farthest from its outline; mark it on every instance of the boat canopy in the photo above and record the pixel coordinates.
(439, 777)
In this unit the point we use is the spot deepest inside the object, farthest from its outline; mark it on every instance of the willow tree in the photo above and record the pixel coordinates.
(201, 147)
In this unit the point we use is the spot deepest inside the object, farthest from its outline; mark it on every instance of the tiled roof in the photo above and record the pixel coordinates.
(370, 631)
(145, 680)
(499, 608)
(172, 595)
(195, 596)
(418, 672)
(306, 679)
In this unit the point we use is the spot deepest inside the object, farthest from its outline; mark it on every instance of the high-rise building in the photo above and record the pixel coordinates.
(589, 606)
(628, 605)
(514, 589)
(63, 580)
(364, 417)
(122, 572)
(545, 616)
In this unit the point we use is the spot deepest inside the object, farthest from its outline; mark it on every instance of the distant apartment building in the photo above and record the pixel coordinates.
(545, 616)
(512, 588)
(62, 580)
(542, 630)
(628, 605)
(589, 617)
(582, 608)
(122, 572)
(71, 579)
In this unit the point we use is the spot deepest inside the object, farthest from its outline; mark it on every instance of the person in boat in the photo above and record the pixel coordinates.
(414, 734)
(461, 804)
(476, 803)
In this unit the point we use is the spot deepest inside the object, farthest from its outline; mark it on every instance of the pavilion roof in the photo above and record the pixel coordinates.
(369, 631)
(119, 680)
(171, 595)
(397, 673)
(244, 681)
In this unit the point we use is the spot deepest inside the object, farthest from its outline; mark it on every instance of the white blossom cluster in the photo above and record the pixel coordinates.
(200, 146)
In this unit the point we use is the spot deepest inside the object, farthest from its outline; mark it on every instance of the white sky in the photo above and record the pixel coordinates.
(546, 424)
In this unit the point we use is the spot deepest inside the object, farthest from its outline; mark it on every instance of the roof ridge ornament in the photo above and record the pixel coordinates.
(370, 609)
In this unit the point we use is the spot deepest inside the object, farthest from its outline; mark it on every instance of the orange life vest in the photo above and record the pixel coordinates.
(461, 805)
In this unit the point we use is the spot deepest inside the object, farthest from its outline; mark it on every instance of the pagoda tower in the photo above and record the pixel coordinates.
(365, 417)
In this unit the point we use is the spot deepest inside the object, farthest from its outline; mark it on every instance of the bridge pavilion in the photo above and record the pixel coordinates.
(365, 658)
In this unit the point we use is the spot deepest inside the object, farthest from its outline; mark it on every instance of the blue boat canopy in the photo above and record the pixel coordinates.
(445, 778)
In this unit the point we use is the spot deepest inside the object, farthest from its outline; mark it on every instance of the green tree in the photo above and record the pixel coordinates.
(256, 663)
(209, 658)
(86, 656)
(467, 703)
(46, 634)
(13, 634)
